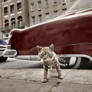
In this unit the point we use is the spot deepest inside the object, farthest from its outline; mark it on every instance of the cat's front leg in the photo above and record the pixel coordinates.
(45, 74)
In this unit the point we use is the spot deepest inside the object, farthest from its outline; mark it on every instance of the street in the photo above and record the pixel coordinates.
(28, 27)
(29, 80)
(17, 75)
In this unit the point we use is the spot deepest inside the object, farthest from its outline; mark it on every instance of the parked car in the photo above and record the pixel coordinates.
(71, 34)
(6, 51)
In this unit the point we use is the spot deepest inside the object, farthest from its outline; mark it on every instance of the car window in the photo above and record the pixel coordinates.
(2, 42)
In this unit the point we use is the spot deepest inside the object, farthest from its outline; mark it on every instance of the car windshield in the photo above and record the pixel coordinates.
(2, 42)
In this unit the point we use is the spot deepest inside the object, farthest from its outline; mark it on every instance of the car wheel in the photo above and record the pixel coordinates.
(71, 62)
(76, 63)
(3, 59)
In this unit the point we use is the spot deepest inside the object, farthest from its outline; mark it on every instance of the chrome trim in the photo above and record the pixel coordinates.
(76, 55)
(36, 57)
(9, 53)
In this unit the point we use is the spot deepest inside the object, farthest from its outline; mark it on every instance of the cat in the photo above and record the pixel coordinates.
(50, 60)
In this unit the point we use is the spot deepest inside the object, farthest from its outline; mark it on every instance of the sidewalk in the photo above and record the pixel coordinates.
(29, 80)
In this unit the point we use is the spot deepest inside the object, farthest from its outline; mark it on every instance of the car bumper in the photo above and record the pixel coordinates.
(8, 53)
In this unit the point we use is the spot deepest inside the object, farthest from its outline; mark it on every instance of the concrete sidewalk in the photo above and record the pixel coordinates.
(29, 80)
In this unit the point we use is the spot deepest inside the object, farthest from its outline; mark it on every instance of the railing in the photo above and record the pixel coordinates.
(7, 29)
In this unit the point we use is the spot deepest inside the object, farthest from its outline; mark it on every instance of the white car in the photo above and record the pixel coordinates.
(6, 51)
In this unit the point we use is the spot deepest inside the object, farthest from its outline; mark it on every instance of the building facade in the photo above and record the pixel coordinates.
(81, 5)
(70, 3)
(23, 13)
(0, 19)
(42, 10)
(15, 14)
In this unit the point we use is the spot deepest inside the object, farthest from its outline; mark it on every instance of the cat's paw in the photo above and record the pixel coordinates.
(44, 80)
(60, 77)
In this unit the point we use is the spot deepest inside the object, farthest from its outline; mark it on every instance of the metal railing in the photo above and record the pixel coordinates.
(8, 28)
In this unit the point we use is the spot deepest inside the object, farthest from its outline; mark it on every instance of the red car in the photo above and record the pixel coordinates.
(71, 34)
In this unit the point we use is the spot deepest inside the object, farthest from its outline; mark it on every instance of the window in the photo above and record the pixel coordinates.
(55, 13)
(13, 22)
(39, 5)
(5, 10)
(19, 6)
(46, 3)
(55, 1)
(20, 20)
(12, 8)
(6, 23)
(5, 35)
(32, 7)
(64, 9)
(39, 18)
(47, 16)
(63, 2)
(33, 20)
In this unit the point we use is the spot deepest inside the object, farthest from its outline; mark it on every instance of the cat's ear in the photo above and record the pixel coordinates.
(51, 46)
(39, 47)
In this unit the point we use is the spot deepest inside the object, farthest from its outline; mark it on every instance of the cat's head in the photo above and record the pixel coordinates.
(43, 51)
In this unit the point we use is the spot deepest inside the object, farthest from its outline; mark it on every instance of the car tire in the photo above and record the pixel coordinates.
(77, 63)
(71, 62)
(3, 59)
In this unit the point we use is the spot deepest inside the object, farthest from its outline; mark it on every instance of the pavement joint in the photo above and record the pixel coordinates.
(53, 88)
(66, 73)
